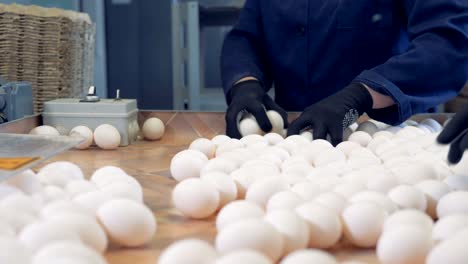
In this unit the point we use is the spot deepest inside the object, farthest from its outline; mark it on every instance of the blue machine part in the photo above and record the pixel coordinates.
(16, 100)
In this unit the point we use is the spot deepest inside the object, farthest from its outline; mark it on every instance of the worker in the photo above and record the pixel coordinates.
(334, 60)
(456, 133)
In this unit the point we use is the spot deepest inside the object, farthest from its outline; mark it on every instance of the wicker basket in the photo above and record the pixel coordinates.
(53, 49)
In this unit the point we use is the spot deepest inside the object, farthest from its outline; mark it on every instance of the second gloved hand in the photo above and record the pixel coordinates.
(456, 133)
(334, 114)
(250, 96)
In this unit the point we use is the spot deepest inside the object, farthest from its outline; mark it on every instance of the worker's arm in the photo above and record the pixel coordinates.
(245, 73)
(433, 69)
(456, 133)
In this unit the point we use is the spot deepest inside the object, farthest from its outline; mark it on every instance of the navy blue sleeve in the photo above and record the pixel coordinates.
(435, 67)
(242, 54)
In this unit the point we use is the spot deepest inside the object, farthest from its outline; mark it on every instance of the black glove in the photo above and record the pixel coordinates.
(456, 133)
(251, 97)
(334, 114)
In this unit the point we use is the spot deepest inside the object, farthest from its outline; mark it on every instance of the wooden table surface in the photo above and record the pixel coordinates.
(149, 162)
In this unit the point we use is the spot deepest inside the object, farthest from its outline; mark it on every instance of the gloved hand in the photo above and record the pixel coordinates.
(456, 133)
(251, 97)
(334, 114)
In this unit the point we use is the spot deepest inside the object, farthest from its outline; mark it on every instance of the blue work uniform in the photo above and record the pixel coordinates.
(415, 51)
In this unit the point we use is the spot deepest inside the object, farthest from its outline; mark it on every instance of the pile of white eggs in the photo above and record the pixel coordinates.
(104, 136)
(56, 216)
(291, 199)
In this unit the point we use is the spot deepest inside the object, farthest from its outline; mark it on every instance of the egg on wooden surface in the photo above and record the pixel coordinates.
(44, 131)
(59, 173)
(262, 237)
(237, 211)
(63, 207)
(39, 234)
(186, 164)
(196, 198)
(107, 137)
(363, 223)
(405, 245)
(276, 121)
(245, 256)
(77, 187)
(249, 126)
(106, 174)
(284, 200)
(408, 197)
(188, 251)
(273, 138)
(409, 217)
(218, 164)
(434, 190)
(13, 251)
(67, 250)
(26, 181)
(86, 226)
(219, 139)
(309, 256)
(127, 223)
(360, 137)
(228, 146)
(225, 185)
(449, 226)
(293, 228)
(21, 203)
(205, 146)
(453, 203)
(91, 201)
(84, 132)
(332, 200)
(53, 193)
(123, 190)
(324, 224)
(153, 128)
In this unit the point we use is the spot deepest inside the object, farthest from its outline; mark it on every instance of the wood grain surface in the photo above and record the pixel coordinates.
(149, 162)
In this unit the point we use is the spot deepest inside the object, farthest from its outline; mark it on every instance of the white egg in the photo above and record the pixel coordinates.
(368, 127)
(107, 137)
(273, 138)
(20, 203)
(91, 201)
(414, 173)
(218, 164)
(53, 193)
(224, 184)
(360, 137)
(452, 250)
(127, 223)
(276, 121)
(436, 126)
(249, 126)
(253, 139)
(308, 135)
(347, 147)
(86, 226)
(453, 203)
(382, 183)
(409, 122)
(309, 256)
(375, 197)
(219, 139)
(17, 220)
(383, 133)
(228, 146)
(262, 237)
(294, 229)
(106, 175)
(59, 173)
(449, 226)
(153, 128)
(457, 182)
(349, 189)
(306, 190)
(67, 250)
(196, 198)
(44, 131)
(26, 181)
(14, 252)
(188, 251)
(324, 224)
(186, 164)
(376, 142)
(410, 132)
(363, 223)
(261, 191)
(332, 200)
(284, 200)
(39, 234)
(85, 133)
(237, 211)
(279, 152)
(408, 197)
(6, 230)
(61, 207)
(243, 256)
(409, 217)
(77, 187)
(434, 190)
(329, 156)
(123, 190)
(7, 190)
(205, 146)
